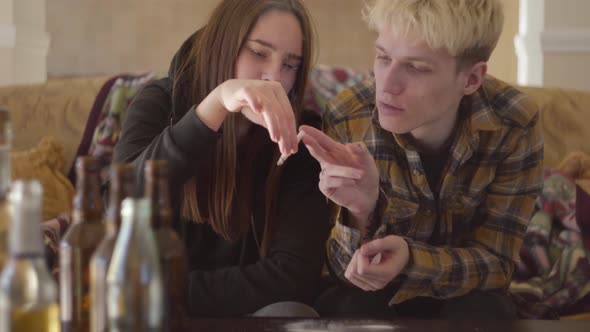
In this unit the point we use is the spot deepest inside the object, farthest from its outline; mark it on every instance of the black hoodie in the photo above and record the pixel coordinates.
(230, 278)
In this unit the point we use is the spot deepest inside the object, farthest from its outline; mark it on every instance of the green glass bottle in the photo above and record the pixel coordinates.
(134, 283)
(170, 248)
(122, 185)
(5, 172)
(78, 245)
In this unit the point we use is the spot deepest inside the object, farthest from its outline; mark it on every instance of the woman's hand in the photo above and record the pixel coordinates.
(263, 102)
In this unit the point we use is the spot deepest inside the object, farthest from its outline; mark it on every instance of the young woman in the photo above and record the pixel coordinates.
(229, 108)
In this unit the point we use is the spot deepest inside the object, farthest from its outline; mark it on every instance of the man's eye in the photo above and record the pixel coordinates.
(417, 69)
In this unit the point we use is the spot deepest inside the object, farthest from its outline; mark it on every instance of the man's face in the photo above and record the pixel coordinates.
(418, 89)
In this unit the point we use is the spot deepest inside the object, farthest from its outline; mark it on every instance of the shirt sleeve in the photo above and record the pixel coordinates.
(343, 240)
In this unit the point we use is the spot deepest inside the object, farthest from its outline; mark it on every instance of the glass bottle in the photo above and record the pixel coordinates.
(78, 245)
(5, 172)
(134, 282)
(170, 247)
(28, 293)
(122, 185)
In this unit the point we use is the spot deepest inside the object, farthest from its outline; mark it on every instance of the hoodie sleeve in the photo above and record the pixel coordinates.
(147, 134)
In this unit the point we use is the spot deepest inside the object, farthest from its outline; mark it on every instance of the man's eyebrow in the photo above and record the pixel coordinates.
(411, 58)
(272, 47)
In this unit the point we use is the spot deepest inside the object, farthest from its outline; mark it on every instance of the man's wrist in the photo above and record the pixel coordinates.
(362, 222)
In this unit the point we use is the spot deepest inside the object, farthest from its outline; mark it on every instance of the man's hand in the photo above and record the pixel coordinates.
(349, 174)
(378, 262)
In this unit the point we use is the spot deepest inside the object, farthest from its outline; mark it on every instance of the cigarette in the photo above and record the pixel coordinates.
(284, 157)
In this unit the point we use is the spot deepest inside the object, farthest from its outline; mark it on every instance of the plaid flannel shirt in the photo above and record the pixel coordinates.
(471, 236)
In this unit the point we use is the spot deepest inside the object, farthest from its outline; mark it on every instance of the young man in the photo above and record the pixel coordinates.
(433, 168)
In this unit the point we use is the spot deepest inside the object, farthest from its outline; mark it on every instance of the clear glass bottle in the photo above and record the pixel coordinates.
(5, 172)
(78, 245)
(134, 282)
(28, 293)
(170, 248)
(122, 185)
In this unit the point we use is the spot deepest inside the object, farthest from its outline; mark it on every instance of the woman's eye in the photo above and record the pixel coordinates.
(291, 66)
(258, 53)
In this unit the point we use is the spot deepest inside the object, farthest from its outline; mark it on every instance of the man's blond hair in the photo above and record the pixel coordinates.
(467, 29)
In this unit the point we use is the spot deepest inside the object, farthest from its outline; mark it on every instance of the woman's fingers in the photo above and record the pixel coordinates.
(266, 104)
(288, 117)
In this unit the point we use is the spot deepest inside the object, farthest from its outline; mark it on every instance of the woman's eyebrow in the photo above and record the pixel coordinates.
(272, 47)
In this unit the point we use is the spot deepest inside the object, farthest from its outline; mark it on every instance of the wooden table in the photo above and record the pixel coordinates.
(358, 325)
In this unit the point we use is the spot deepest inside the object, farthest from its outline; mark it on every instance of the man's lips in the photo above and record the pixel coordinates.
(388, 108)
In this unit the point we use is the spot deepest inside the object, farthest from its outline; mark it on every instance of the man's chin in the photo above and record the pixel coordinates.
(394, 127)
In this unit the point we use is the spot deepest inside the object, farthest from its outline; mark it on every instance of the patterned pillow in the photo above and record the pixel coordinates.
(326, 82)
(113, 112)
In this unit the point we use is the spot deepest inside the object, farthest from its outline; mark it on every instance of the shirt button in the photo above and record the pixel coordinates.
(417, 172)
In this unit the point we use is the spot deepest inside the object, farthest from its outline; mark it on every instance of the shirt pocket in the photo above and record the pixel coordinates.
(398, 216)
(463, 215)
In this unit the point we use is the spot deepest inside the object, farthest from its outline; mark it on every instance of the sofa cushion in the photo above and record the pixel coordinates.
(57, 108)
(565, 116)
(44, 163)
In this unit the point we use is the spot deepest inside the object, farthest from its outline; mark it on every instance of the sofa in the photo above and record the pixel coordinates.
(57, 121)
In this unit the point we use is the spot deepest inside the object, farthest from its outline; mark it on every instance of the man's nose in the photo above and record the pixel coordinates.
(394, 79)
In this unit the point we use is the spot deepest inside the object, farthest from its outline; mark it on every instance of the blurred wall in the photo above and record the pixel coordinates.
(23, 42)
(567, 44)
(113, 36)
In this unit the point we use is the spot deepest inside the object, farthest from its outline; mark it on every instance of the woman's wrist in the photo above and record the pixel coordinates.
(211, 112)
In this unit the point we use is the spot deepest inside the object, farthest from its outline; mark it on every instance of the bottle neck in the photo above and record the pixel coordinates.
(5, 170)
(87, 202)
(117, 194)
(5, 147)
(157, 192)
(135, 219)
(25, 231)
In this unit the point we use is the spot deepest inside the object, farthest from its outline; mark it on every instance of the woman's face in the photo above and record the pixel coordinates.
(273, 50)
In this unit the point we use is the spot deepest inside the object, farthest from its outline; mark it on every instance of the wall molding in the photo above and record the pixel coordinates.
(7, 36)
(527, 42)
(566, 40)
(36, 42)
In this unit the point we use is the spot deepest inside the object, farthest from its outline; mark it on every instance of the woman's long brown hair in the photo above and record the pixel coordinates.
(211, 61)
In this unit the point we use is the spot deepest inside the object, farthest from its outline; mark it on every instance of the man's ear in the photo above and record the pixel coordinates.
(474, 77)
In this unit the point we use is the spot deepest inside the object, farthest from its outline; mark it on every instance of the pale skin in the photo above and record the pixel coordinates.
(418, 92)
(265, 71)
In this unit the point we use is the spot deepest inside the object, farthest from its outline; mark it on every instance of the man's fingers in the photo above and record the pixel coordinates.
(342, 171)
(376, 246)
(352, 276)
(323, 140)
(377, 272)
(315, 149)
(327, 183)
